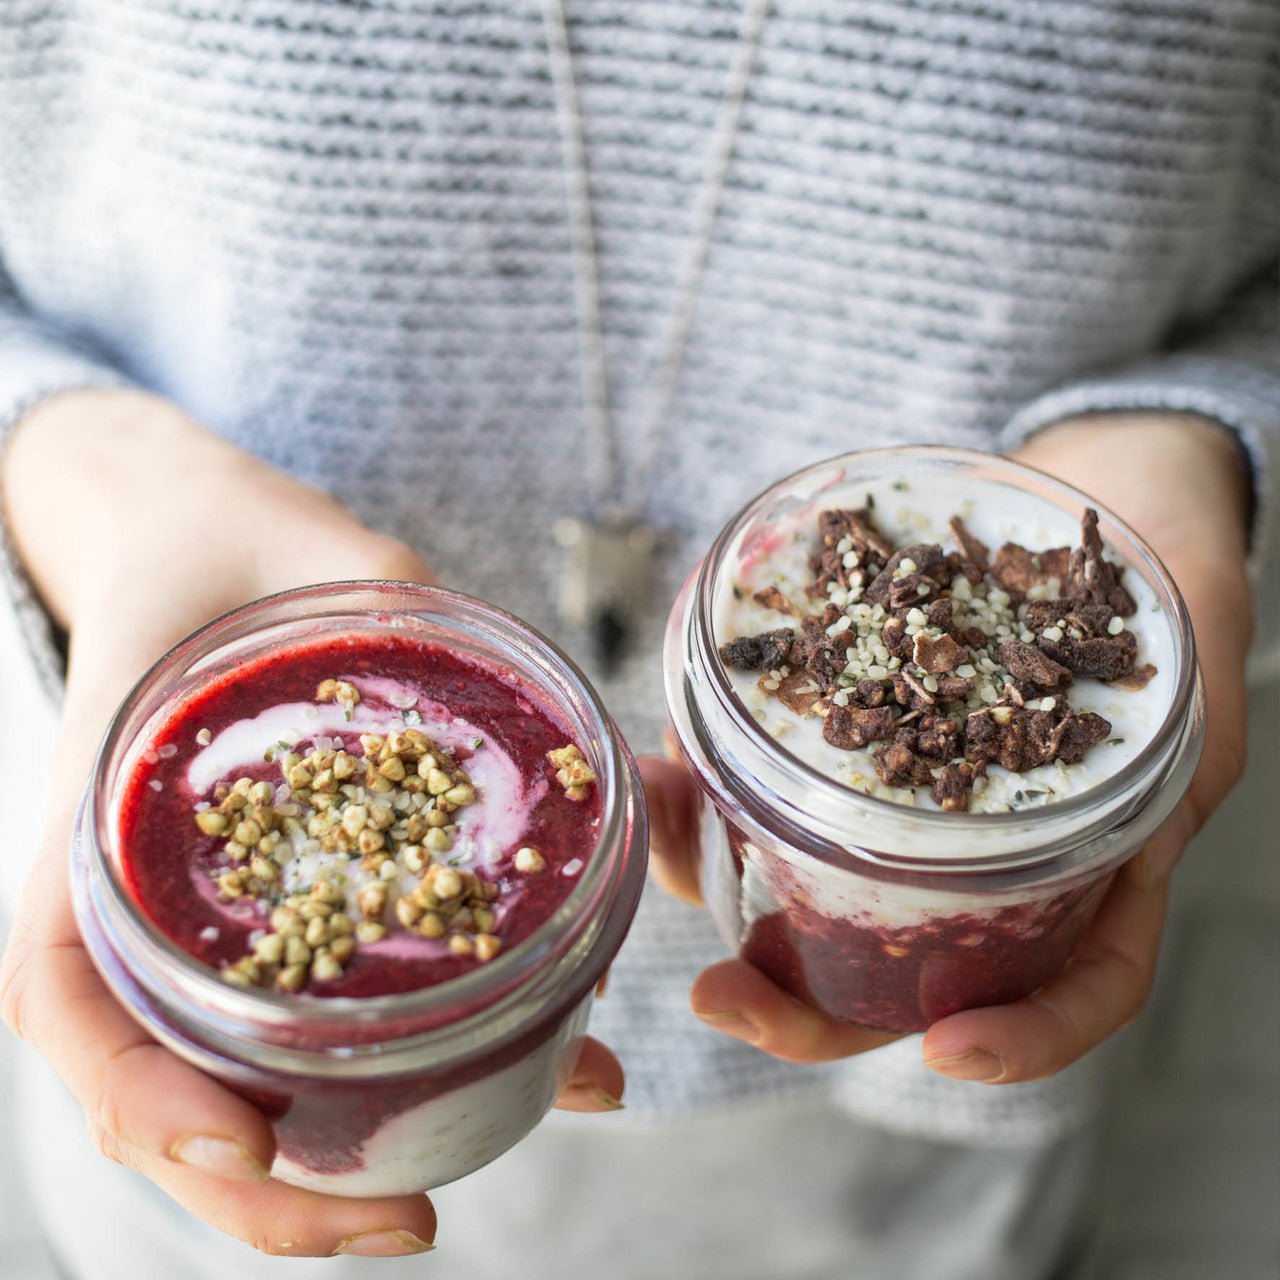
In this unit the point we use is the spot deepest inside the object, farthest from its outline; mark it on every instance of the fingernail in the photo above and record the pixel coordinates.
(602, 1096)
(976, 1064)
(733, 1022)
(382, 1244)
(222, 1157)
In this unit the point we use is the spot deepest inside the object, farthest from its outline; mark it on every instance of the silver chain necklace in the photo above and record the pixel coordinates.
(609, 553)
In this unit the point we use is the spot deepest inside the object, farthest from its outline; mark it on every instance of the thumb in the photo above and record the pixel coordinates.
(673, 829)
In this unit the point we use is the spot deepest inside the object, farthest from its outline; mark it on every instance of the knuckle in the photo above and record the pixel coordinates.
(15, 981)
(266, 1241)
(105, 1143)
(115, 1087)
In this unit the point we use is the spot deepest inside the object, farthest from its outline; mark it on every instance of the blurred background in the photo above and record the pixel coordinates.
(1188, 1180)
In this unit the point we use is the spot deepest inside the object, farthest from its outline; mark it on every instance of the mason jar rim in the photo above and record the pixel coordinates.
(489, 990)
(1086, 809)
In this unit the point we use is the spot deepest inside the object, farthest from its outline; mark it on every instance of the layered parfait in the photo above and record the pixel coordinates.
(966, 658)
(350, 818)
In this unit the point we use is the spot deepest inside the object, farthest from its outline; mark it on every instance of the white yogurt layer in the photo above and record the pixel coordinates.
(917, 512)
(459, 1131)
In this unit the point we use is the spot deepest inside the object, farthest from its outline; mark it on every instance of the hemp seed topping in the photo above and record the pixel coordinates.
(942, 663)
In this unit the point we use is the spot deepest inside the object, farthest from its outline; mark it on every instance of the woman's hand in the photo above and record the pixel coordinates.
(1178, 481)
(137, 527)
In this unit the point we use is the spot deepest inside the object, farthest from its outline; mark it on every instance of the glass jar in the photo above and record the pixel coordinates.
(388, 1094)
(879, 914)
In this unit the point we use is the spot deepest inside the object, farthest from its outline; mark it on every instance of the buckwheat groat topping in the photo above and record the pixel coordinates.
(357, 842)
(940, 663)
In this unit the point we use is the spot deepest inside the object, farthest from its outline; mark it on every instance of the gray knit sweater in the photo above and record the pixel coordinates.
(335, 231)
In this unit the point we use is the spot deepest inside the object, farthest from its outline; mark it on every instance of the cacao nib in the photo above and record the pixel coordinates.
(765, 652)
(852, 727)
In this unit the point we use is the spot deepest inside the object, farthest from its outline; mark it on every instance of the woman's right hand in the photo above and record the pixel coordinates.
(137, 527)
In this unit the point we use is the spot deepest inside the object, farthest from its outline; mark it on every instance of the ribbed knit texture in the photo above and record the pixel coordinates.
(336, 233)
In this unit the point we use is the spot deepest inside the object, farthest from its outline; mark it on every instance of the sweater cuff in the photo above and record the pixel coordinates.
(1242, 398)
(35, 365)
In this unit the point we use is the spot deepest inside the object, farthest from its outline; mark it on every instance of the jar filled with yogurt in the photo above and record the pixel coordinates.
(932, 700)
(363, 852)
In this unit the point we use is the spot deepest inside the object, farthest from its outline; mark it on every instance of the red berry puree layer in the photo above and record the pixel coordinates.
(264, 722)
(359, 817)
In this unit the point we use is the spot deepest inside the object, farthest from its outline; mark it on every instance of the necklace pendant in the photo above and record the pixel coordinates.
(605, 580)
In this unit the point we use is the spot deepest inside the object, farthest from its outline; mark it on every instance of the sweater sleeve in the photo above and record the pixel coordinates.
(38, 360)
(1228, 371)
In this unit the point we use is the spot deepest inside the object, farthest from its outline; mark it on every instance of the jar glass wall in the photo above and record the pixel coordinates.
(386, 1093)
(875, 912)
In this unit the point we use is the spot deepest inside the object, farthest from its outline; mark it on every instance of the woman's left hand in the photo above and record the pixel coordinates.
(1178, 481)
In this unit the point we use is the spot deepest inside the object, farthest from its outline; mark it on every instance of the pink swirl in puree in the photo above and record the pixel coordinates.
(496, 729)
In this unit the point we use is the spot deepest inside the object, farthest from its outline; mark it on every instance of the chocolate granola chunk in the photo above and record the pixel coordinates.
(765, 652)
(954, 688)
(975, 556)
(869, 694)
(1084, 620)
(1136, 679)
(929, 562)
(1018, 570)
(772, 598)
(796, 689)
(850, 728)
(937, 654)
(900, 765)
(859, 527)
(939, 614)
(895, 639)
(823, 655)
(1091, 579)
(1077, 733)
(1027, 663)
(911, 693)
(938, 737)
(1101, 657)
(952, 788)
